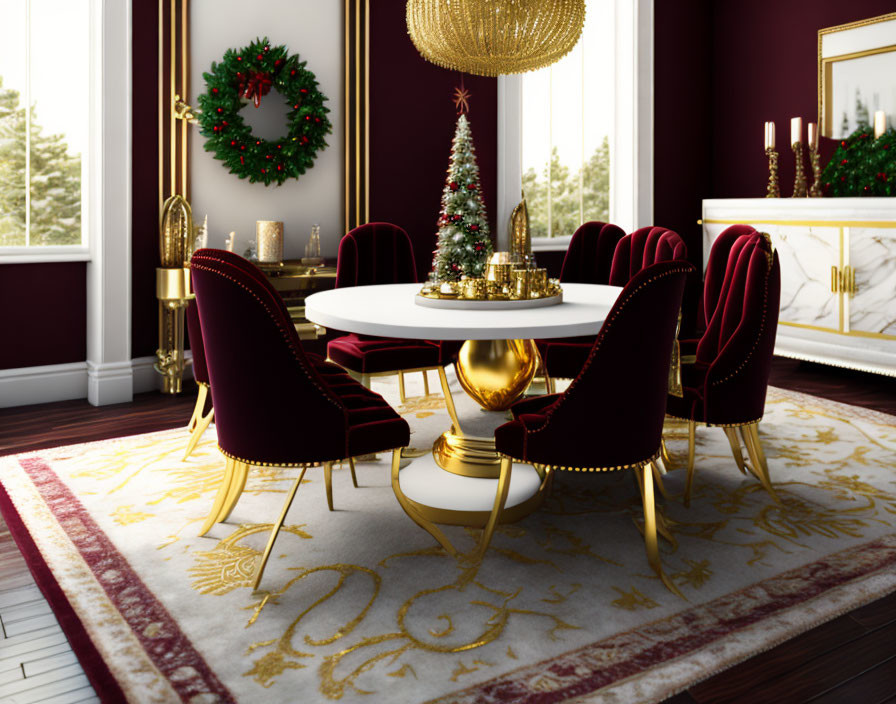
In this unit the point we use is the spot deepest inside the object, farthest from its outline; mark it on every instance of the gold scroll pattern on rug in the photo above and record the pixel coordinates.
(402, 611)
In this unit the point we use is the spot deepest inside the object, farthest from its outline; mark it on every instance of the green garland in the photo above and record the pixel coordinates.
(862, 165)
(251, 73)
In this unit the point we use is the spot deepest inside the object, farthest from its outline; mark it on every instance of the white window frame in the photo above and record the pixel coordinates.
(75, 252)
(631, 141)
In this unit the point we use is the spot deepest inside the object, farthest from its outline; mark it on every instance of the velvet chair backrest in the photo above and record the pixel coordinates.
(590, 253)
(271, 406)
(375, 253)
(739, 341)
(716, 266)
(612, 414)
(642, 248)
(194, 331)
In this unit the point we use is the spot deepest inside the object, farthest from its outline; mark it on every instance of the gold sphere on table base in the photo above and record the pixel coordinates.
(494, 373)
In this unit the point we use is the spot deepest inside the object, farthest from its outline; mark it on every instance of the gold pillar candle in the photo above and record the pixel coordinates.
(520, 283)
(538, 283)
(500, 274)
(269, 241)
(796, 130)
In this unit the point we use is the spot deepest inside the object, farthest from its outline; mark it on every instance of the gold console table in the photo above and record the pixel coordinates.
(295, 282)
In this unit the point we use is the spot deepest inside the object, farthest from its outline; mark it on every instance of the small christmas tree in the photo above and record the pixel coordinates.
(464, 244)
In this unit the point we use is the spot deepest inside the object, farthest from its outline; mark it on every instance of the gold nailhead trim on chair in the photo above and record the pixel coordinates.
(634, 465)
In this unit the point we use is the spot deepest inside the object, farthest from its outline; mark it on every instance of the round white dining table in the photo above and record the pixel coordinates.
(458, 484)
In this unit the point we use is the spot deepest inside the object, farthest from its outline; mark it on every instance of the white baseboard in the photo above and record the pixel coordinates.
(54, 382)
(100, 384)
(108, 383)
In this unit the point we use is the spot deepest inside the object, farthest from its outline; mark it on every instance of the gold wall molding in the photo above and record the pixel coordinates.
(357, 113)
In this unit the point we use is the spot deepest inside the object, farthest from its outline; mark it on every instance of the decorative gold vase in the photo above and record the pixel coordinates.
(495, 373)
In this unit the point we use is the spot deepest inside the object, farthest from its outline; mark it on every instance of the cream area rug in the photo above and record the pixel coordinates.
(361, 605)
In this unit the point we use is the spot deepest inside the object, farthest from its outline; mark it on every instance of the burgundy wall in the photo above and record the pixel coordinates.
(412, 119)
(145, 180)
(765, 56)
(44, 314)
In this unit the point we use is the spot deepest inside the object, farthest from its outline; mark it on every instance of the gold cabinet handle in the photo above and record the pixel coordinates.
(835, 276)
(851, 280)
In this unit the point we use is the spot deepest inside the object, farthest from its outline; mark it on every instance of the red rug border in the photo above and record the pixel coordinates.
(98, 673)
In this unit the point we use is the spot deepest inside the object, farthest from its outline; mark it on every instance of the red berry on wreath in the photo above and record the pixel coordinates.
(845, 161)
(266, 48)
(317, 119)
(474, 228)
(232, 142)
(295, 107)
(239, 58)
(279, 168)
(292, 73)
(268, 156)
(303, 90)
(279, 146)
(843, 143)
(257, 142)
(242, 161)
(242, 147)
(259, 57)
(307, 117)
(264, 171)
(842, 178)
(214, 90)
(220, 110)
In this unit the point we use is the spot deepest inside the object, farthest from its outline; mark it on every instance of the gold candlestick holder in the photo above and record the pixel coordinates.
(815, 161)
(799, 180)
(772, 190)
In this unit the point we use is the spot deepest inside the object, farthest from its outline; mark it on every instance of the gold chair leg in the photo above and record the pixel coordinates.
(692, 442)
(449, 401)
(425, 382)
(667, 458)
(351, 467)
(426, 525)
(197, 433)
(650, 525)
(401, 395)
(657, 476)
(276, 529)
(328, 482)
(750, 434)
(734, 441)
(223, 489)
(498, 508)
(661, 525)
(237, 484)
(198, 408)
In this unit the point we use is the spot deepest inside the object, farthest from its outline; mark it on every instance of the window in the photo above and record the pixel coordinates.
(44, 125)
(567, 118)
(584, 126)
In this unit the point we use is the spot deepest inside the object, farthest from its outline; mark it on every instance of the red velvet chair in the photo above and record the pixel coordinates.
(611, 416)
(275, 406)
(642, 248)
(381, 253)
(727, 383)
(587, 261)
(200, 420)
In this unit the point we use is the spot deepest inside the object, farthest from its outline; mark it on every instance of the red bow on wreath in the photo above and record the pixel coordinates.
(254, 85)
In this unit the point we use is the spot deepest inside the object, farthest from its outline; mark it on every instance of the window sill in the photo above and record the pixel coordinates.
(43, 255)
(551, 244)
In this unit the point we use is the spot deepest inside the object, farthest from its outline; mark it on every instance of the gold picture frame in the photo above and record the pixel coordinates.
(848, 49)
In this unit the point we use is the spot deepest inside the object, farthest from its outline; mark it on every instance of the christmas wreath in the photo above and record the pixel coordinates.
(249, 74)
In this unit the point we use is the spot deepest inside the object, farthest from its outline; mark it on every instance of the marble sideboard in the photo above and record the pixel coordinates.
(838, 274)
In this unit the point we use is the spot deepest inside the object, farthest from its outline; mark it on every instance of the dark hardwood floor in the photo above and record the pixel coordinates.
(849, 659)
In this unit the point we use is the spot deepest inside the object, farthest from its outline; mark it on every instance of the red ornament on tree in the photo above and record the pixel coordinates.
(471, 186)
(453, 186)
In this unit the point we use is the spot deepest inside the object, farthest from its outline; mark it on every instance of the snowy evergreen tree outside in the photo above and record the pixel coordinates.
(464, 243)
(55, 181)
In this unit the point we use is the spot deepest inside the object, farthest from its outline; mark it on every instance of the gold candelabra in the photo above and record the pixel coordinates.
(772, 190)
(799, 180)
(173, 290)
(815, 161)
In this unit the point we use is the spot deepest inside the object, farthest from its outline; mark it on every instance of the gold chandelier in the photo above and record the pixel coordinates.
(491, 37)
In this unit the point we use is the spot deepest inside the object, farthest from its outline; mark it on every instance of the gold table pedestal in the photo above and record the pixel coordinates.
(494, 373)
